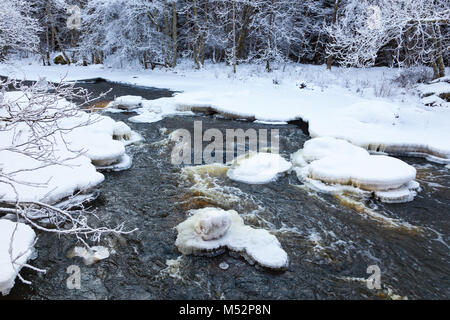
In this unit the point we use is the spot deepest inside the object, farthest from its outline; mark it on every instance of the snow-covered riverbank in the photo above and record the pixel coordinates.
(50, 151)
(363, 106)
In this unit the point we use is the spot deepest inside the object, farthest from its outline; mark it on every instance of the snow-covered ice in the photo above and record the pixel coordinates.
(373, 172)
(213, 225)
(89, 255)
(211, 229)
(91, 134)
(258, 168)
(126, 103)
(22, 250)
(336, 165)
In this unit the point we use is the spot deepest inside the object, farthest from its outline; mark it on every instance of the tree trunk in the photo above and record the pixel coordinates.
(438, 54)
(196, 32)
(336, 7)
(234, 36)
(269, 38)
(246, 15)
(174, 34)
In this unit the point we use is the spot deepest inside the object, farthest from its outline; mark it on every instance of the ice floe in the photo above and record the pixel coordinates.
(89, 255)
(148, 111)
(258, 168)
(334, 165)
(20, 238)
(212, 229)
(126, 103)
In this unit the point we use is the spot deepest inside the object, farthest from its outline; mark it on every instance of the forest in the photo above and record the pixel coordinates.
(351, 33)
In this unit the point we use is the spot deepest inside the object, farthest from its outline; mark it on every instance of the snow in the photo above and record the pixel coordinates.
(334, 165)
(322, 147)
(340, 103)
(431, 93)
(74, 173)
(90, 255)
(213, 225)
(256, 245)
(435, 88)
(22, 250)
(148, 110)
(374, 172)
(126, 102)
(258, 168)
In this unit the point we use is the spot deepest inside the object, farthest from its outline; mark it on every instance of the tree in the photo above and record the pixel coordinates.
(413, 26)
(18, 30)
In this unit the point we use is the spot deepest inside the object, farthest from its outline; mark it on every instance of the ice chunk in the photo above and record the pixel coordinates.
(213, 225)
(334, 165)
(256, 245)
(126, 102)
(47, 184)
(321, 147)
(121, 131)
(373, 172)
(403, 194)
(258, 168)
(22, 250)
(147, 117)
(89, 255)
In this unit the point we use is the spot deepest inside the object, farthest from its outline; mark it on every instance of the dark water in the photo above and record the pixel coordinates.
(113, 89)
(330, 242)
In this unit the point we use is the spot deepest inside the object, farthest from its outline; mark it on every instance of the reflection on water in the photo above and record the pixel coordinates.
(329, 241)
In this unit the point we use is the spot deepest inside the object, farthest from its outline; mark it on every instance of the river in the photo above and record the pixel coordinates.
(330, 240)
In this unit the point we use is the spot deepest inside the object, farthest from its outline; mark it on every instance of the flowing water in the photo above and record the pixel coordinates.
(331, 240)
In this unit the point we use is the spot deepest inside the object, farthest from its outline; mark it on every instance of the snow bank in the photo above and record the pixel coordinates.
(338, 103)
(211, 229)
(433, 94)
(385, 127)
(22, 250)
(338, 163)
(100, 140)
(258, 168)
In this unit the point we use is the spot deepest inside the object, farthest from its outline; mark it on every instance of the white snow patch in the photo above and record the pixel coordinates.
(22, 250)
(256, 245)
(341, 166)
(258, 168)
(51, 183)
(89, 255)
(126, 103)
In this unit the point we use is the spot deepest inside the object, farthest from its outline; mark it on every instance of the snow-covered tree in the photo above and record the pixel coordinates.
(412, 27)
(18, 30)
(127, 29)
